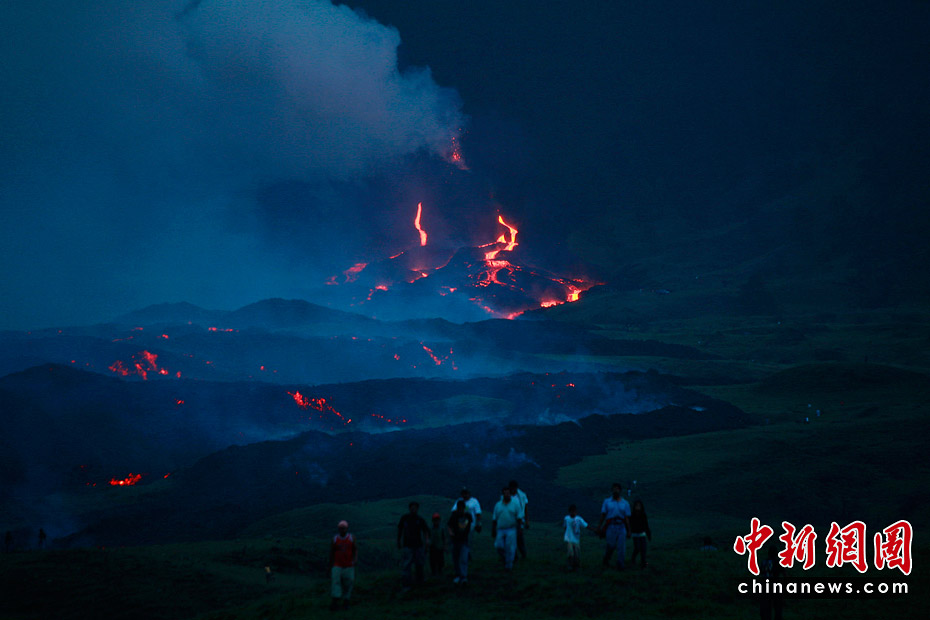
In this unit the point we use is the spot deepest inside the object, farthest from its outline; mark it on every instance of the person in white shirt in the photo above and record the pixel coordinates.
(472, 506)
(517, 494)
(574, 524)
(615, 524)
(504, 528)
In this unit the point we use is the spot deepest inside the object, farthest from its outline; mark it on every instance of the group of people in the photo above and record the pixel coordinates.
(8, 545)
(415, 538)
(618, 522)
(418, 540)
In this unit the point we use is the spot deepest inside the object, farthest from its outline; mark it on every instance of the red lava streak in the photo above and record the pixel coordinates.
(486, 275)
(142, 363)
(352, 272)
(416, 223)
(436, 359)
(129, 480)
(317, 404)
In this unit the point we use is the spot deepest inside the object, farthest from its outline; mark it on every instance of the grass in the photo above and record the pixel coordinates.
(863, 458)
(225, 581)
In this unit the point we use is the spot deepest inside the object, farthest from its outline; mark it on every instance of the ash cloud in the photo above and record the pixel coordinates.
(214, 152)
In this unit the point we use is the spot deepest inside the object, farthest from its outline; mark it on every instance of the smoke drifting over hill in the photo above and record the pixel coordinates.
(157, 149)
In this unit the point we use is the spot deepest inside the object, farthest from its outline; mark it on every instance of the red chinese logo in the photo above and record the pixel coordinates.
(800, 547)
(844, 545)
(847, 546)
(894, 548)
(752, 542)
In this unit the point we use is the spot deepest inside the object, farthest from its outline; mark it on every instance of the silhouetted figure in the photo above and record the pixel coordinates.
(708, 544)
(343, 553)
(412, 539)
(771, 605)
(437, 546)
(471, 505)
(459, 525)
(517, 495)
(639, 532)
(42, 538)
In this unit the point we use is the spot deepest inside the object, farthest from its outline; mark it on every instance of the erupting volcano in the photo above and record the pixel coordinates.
(483, 276)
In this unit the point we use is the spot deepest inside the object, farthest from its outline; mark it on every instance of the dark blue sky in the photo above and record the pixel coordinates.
(218, 154)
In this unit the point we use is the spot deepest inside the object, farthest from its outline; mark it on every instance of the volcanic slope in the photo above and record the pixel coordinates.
(292, 341)
(224, 492)
(705, 484)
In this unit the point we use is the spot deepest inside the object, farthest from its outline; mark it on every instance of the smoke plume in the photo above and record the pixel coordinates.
(215, 152)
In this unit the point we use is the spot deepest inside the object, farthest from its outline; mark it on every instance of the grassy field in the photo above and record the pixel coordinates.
(225, 580)
(862, 458)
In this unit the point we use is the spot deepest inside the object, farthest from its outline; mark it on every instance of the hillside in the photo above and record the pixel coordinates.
(698, 485)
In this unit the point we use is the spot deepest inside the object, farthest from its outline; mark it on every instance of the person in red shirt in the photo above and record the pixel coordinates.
(343, 554)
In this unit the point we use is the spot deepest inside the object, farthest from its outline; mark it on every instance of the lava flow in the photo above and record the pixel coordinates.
(483, 276)
(416, 223)
(141, 364)
(129, 480)
(436, 359)
(492, 255)
(317, 404)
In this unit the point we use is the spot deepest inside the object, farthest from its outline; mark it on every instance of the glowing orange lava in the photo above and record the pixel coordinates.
(352, 272)
(317, 404)
(416, 223)
(501, 288)
(503, 239)
(436, 359)
(129, 480)
(455, 155)
(141, 367)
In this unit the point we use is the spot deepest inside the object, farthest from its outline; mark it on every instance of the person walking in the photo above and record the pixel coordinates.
(437, 546)
(472, 505)
(412, 540)
(639, 532)
(504, 528)
(615, 524)
(574, 525)
(517, 494)
(343, 554)
(459, 526)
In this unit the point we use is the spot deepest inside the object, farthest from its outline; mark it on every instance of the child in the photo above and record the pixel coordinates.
(573, 526)
(639, 532)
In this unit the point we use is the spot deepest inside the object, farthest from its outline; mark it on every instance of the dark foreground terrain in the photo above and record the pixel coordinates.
(861, 458)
